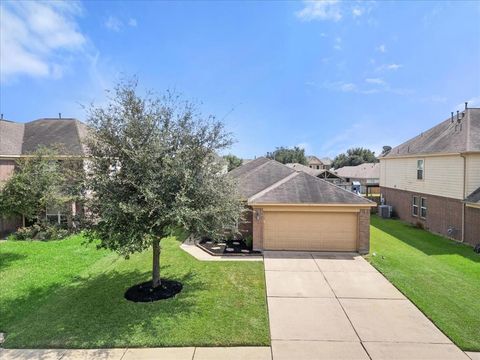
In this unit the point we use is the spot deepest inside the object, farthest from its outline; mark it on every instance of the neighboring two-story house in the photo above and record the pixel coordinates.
(19, 140)
(319, 164)
(433, 180)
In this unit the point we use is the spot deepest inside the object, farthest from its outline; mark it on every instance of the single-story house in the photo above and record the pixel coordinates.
(20, 140)
(292, 210)
(362, 178)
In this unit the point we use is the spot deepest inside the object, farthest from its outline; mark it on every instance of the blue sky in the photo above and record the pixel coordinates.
(325, 75)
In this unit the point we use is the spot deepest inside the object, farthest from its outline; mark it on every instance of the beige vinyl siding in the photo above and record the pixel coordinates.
(311, 231)
(473, 173)
(443, 175)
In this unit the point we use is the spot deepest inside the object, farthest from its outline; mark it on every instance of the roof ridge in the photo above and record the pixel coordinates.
(273, 186)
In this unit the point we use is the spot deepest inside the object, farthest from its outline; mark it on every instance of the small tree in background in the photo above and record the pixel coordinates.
(233, 161)
(353, 157)
(153, 167)
(288, 155)
(39, 181)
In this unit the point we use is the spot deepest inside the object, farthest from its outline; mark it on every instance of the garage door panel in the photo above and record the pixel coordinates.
(320, 231)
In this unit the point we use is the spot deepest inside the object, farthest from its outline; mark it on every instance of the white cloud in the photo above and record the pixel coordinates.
(376, 81)
(338, 43)
(37, 37)
(357, 11)
(320, 10)
(381, 48)
(115, 24)
(393, 67)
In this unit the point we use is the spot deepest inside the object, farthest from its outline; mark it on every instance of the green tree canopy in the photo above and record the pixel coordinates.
(233, 161)
(353, 157)
(287, 155)
(40, 180)
(153, 167)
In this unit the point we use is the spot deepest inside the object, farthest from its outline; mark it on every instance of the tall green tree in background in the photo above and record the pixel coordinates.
(42, 179)
(152, 168)
(353, 157)
(287, 155)
(233, 161)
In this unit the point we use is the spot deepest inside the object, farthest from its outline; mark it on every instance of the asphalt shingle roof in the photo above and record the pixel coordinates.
(362, 171)
(268, 181)
(21, 139)
(306, 189)
(446, 137)
(258, 175)
(474, 197)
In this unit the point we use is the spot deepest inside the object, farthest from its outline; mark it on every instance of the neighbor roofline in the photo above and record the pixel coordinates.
(363, 205)
(429, 155)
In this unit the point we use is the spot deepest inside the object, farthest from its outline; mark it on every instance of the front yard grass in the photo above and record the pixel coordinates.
(63, 294)
(440, 276)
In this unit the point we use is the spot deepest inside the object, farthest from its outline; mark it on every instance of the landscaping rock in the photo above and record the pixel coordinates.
(236, 243)
(229, 249)
(2, 337)
(245, 251)
(216, 247)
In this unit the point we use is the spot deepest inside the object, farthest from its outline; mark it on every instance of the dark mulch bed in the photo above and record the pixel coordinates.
(145, 293)
(226, 248)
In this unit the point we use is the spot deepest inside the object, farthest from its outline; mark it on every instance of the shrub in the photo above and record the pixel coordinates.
(43, 232)
(249, 241)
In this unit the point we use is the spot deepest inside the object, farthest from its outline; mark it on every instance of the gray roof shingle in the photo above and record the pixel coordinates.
(362, 171)
(446, 137)
(258, 174)
(306, 189)
(474, 197)
(21, 139)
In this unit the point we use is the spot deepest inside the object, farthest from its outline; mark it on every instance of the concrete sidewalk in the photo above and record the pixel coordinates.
(182, 353)
(337, 306)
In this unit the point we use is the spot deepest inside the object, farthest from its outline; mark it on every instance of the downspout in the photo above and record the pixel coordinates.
(464, 195)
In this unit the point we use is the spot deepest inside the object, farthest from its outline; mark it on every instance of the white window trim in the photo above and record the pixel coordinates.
(422, 169)
(423, 207)
(415, 206)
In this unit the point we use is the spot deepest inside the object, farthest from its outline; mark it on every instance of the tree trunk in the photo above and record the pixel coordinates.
(156, 264)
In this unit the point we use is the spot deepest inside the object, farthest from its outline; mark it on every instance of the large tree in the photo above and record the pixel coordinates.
(233, 161)
(287, 155)
(153, 168)
(353, 157)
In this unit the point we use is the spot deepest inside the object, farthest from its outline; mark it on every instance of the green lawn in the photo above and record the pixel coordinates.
(65, 294)
(440, 276)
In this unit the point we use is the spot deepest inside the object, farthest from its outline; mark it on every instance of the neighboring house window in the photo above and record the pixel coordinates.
(423, 207)
(318, 167)
(420, 168)
(56, 215)
(415, 206)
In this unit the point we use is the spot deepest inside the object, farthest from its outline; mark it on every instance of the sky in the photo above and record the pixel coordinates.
(324, 75)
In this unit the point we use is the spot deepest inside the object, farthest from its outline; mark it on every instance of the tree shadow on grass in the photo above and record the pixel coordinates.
(7, 258)
(423, 240)
(93, 313)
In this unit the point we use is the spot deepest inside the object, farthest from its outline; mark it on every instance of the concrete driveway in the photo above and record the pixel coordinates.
(337, 306)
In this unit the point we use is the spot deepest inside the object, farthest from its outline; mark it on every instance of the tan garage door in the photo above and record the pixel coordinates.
(315, 231)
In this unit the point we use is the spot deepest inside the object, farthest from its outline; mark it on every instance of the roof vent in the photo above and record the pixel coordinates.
(458, 115)
(466, 105)
(59, 115)
(1, 116)
(452, 116)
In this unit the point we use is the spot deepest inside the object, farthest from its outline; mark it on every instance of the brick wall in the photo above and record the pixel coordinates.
(364, 231)
(442, 212)
(472, 225)
(6, 169)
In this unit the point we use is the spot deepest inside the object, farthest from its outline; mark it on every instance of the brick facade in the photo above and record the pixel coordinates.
(472, 225)
(444, 215)
(364, 231)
